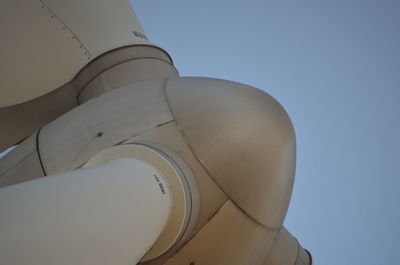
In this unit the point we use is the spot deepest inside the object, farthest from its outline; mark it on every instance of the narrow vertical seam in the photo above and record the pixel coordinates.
(38, 151)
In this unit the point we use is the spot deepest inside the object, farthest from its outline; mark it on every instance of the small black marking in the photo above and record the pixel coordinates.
(160, 185)
(139, 35)
(100, 134)
(161, 188)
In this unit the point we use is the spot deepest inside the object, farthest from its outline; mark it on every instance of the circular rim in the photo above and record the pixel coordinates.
(181, 184)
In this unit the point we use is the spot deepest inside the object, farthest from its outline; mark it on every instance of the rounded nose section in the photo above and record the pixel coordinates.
(243, 138)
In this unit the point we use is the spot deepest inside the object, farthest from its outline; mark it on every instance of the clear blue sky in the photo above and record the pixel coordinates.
(335, 67)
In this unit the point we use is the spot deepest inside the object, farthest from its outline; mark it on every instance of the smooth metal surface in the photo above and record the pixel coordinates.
(27, 169)
(287, 251)
(230, 238)
(211, 197)
(38, 55)
(237, 140)
(45, 43)
(115, 57)
(107, 214)
(178, 177)
(243, 138)
(114, 69)
(125, 74)
(101, 25)
(17, 154)
(68, 142)
(232, 134)
(20, 121)
(21, 164)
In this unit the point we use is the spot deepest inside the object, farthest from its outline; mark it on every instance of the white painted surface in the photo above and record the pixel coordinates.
(44, 44)
(107, 214)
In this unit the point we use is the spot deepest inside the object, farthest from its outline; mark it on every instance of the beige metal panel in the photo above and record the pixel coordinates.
(107, 214)
(69, 141)
(243, 138)
(21, 164)
(45, 43)
(101, 25)
(181, 184)
(27, 169)
(287, 251)
(19, 121)
(284, 250)
(117, 56)
(211, 196)
(38, 53)
(126, 73)
(24, 149)
(230, 237)
(304, 257)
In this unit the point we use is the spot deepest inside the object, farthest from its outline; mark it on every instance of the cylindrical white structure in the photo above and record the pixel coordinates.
(107, 214)
(46, 43)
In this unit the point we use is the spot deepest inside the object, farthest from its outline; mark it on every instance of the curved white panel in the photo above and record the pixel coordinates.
(44, 44)
(101, 25)
(181, 184)
(107, 214)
